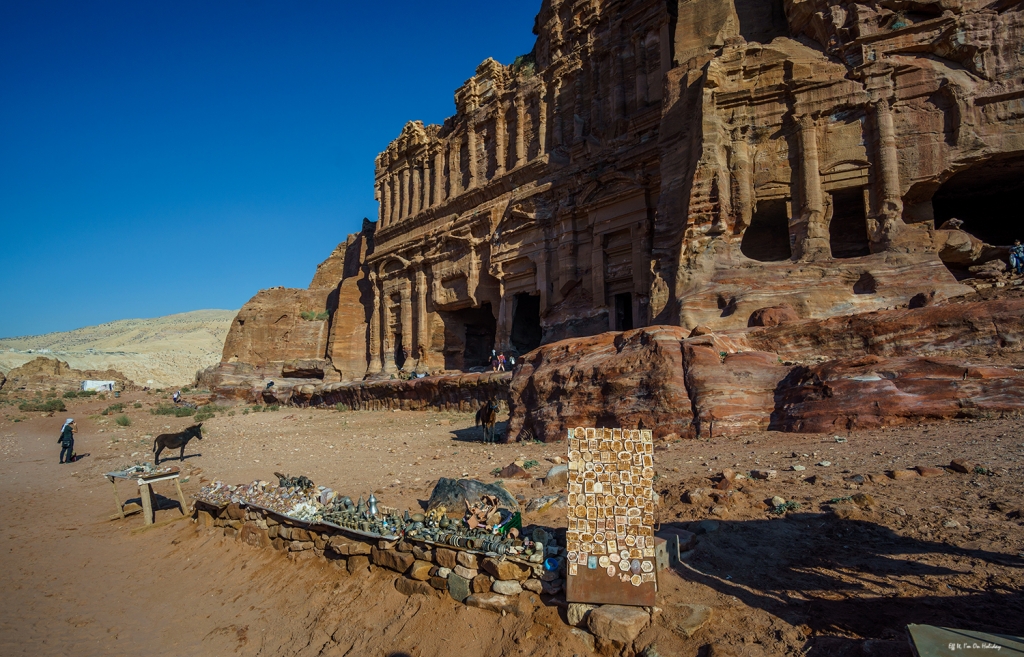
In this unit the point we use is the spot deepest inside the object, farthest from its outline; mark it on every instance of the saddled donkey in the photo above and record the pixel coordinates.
(176, 440)
(487, 416)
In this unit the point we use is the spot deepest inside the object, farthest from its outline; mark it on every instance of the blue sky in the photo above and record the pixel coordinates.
(160, 157)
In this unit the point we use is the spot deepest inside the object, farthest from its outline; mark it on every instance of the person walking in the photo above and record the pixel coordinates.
(501, 362)
(67, 441)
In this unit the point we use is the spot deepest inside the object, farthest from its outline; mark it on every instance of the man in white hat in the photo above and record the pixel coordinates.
(67, 440)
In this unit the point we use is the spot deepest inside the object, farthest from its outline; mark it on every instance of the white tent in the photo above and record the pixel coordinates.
(99, 386)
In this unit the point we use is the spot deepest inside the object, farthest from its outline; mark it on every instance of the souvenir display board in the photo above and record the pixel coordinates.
(610, 540)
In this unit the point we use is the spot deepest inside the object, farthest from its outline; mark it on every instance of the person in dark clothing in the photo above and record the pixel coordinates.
(67, 441)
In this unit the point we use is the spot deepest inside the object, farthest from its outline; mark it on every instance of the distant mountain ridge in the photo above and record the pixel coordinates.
(158, 352)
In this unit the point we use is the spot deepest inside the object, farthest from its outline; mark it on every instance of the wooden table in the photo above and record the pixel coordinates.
(145, 482)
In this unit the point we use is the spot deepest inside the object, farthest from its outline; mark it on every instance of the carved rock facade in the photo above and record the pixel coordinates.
(683, 163)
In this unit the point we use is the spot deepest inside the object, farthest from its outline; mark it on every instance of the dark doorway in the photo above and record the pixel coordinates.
(526, 330)
(468, 337)
(761, 20)
(986, 198)
(624, 311)
(767, 237)
(848, 230)
(399, 351)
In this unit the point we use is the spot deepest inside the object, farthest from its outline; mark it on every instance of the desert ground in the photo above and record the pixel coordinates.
(156, 353)
(854, 557)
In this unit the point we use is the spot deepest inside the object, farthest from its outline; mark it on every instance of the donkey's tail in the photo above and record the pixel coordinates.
(155, 441)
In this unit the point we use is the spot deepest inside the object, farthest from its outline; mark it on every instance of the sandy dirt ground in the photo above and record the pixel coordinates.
(857, 556)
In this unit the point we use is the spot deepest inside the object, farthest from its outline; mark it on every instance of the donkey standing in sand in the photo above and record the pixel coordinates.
(176, 440)
(487, 416)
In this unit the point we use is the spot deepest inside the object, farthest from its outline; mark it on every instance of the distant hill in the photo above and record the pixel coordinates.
(159, 352)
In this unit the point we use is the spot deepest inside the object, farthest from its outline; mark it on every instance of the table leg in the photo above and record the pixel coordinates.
(117, 498)
(181, 497)
(145, 492)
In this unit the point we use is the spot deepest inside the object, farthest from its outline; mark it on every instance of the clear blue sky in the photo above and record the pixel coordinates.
(160, 157)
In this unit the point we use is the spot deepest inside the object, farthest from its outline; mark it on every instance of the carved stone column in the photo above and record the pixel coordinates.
(407, 334)
(422, 321)
(810, 230)
(382, 200)
(406, 194)
(542, 120)
(520, 152)
(471, 147)
(416, 195)
(396, 199)
(597, 269)
(739, 157)
(500, 140)
(428, 179)
(388, 339)
(641, 71)
(375, 365)
(437, 188)
(556, 115)
(618, 94)
(890, 213)
(455, 166)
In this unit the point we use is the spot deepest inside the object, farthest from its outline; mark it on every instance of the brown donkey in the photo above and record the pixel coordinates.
(176, 440)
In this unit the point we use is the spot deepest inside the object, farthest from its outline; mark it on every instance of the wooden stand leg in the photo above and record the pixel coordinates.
(181, 497)
(117, 498)
(146, 493)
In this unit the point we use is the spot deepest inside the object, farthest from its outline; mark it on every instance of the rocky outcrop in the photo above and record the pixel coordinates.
(861, 371)
(613, 379)
(462, 392)
(46, 374)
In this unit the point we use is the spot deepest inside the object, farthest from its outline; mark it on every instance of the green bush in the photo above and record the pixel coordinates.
(43, 406)
(170, 409)
(137, 405)
(257, 409)
(113, 408)
(203, 414)
(312, 316)
(341, 407)
(70, 394)
(273, 407)
(123, 421)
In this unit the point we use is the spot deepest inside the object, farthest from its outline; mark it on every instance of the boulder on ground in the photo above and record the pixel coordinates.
(618, 623)
(492, 602)
(454, 494)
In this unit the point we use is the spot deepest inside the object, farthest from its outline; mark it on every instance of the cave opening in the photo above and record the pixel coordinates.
(469, 337)
(848, 229)
(762, 20)
(526, 330)
(624, 311)
(767, 237)
(985, 198)
(399, 351)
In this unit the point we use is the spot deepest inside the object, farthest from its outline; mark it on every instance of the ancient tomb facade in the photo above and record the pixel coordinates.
(684, 163)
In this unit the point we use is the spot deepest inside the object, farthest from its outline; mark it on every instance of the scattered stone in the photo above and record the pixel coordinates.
(764, 474)
(798, 468)
(586, 637)
(707, 526)
(825, 464)
(926, 471)
(492, 602)
(691, 619)
(557, 476)
(696, 496)
(542, 504)
(904, 474)
(513, 471)
(778, 501)
(719, 511)
(408, 586)
(506, 587)
(439, 583)
(951, 524)
(618, 623)
(864, 501)
(961, 466)
(578, 613)
(459, 587)
(900, 511)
